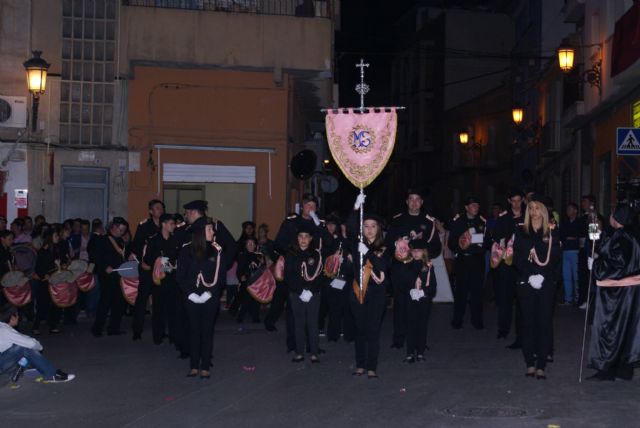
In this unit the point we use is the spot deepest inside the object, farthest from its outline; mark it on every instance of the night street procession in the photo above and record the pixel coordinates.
(319, 213)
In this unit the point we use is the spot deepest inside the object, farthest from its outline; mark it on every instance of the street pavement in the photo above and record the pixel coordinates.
(469, 379)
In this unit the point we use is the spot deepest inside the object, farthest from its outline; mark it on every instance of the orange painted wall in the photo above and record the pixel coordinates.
(208, 107)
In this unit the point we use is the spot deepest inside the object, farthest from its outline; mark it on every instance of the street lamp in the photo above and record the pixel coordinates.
(36, 82)
(463, 137)
(518, 115)
(565, 58)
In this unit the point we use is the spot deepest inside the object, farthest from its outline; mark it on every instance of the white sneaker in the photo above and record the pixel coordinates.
(583, 306)
(60, 377)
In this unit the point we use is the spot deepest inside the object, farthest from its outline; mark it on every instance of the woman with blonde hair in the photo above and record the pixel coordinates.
(536, 255)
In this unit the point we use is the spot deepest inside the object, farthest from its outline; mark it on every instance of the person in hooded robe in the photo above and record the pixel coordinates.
(615, 333)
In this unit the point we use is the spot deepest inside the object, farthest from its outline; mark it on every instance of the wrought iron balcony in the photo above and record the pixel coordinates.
(299, 8)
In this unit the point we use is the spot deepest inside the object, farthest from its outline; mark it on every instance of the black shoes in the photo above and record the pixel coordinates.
(297, 359)
(410, 359)
(137, 336)
(515, 345)
(602, 376)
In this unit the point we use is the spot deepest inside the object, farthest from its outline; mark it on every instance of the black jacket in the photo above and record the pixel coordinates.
(294, 263)
(189, 267)
(403, 224)
(146, 229)
(522, 246)
(460, 225)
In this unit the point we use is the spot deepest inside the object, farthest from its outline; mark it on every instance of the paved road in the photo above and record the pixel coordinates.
(468, 380)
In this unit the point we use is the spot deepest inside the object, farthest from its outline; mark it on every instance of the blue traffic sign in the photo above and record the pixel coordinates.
(628, 141)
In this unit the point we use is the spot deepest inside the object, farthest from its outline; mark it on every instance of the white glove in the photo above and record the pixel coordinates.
(306, 295)
(205, 296)
(315, 218)
(416, 294)
(359, 201)
(362, 248)
(590, 263)
(536, 281)
(194, 298)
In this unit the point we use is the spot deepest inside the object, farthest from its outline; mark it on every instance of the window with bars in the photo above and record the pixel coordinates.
(88, 71)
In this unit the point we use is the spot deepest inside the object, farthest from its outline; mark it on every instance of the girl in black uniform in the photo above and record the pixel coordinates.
(536, 255)
(250, 262)
(368, 300)
(50, 258)
(420, 289)
(303, 274)
(200, 270)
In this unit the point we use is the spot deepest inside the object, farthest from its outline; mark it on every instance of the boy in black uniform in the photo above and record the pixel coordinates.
(164, 294)
(506, 276)
(146, 229)
(410, 225)
(110, 253)
(466, 240)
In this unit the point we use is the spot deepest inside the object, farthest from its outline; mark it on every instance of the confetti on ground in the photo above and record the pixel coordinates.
(169, 398)
(403, 389)
(249, 368)
(14, 386)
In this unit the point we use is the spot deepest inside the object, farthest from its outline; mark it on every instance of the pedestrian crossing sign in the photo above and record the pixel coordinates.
(628, 141)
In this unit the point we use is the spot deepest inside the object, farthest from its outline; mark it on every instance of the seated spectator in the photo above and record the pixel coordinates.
(14, 346)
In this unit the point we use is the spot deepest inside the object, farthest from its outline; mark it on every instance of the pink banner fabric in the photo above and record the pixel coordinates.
(130, 289)
(361, 144)
(19, 295)
(64, 294)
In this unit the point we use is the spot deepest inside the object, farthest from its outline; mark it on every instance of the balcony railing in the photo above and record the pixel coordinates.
(299, 8)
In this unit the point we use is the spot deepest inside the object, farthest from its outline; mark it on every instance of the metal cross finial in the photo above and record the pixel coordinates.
(362, 88)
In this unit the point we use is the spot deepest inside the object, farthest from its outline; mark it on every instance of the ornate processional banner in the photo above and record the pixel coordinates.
(361, 143)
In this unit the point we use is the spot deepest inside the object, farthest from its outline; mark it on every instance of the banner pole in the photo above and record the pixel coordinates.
(361, 237)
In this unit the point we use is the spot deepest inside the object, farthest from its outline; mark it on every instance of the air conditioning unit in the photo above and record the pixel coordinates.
(13, 112)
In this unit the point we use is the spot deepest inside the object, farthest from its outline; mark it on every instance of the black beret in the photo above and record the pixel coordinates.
(471, 200)
(166, 217)
(372, 216)
(415, 191)
(196, 205)
(333, 219)
(418, 244)
(515, 192)
(306, 228)
(623, 214)
(309, 197)
(119, 220)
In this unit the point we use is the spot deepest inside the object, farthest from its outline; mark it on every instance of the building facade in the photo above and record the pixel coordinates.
(170, 100)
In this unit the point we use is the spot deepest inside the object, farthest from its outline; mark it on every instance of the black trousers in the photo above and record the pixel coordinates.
(140, 306)
(280, 303)
(111, 304)
(46, 310)
(537, 322)
(172, 299)
(324, 309)
(505, 291)
(469, 289)
(162, 311)
(248, 305)
(305, 320)
(181, 339)
(340, 318)
(418, 321)
(201, 324)
(400, 307)
(368, 321)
